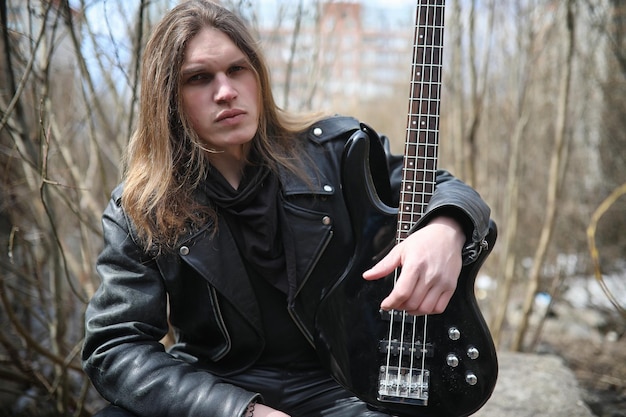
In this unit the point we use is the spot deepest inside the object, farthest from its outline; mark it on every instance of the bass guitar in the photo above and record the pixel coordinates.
(424, 366)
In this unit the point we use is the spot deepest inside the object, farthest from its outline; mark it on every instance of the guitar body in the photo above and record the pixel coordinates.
(354, 337)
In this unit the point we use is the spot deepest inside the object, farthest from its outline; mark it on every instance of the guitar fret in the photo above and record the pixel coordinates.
(421, 150)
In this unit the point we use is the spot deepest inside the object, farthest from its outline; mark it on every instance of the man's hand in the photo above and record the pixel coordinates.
(431, 261)
(261, 410)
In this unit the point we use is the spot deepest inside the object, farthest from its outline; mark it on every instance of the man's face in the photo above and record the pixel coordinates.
(219, 92)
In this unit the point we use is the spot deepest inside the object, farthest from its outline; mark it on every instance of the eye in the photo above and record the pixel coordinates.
(236, 68)
(201, 77)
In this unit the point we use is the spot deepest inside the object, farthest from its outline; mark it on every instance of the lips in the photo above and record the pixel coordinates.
(229, 115)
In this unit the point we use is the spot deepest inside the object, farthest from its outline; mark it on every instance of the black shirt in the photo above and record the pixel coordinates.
(253, 214)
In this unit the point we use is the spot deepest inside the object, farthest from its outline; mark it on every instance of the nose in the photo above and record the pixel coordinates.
(225, 90)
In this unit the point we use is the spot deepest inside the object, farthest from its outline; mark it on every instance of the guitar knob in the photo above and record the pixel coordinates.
(472, 352)
(454, 333)
(471, 378)
(452, 360)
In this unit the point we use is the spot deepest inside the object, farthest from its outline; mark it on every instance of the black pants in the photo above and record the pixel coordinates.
(310, 393)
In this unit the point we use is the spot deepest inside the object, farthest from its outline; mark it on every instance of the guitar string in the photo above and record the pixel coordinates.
(405, 227)
(424, 332)
(427, 184)
(435, 66)
(401, 226)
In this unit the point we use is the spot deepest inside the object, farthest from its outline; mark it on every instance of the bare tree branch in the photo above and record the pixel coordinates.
(554, 180)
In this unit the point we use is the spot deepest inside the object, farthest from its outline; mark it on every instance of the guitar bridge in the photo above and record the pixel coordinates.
(403, 385)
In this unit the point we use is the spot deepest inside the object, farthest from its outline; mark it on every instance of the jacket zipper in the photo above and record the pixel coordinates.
(292, 312)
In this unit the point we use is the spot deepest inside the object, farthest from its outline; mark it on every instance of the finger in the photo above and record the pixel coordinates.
(432, 304)
(419, 303)
(385, 266)
(443, 302)
(405, 290)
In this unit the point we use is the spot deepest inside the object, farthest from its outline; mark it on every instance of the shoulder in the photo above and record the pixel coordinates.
(332, 128)
(114, 218)
(116, 194)
(114, 208)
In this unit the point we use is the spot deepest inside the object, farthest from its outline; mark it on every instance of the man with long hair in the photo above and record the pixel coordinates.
(229, 211)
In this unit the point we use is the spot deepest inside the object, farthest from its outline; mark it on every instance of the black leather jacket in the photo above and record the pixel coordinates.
(204, 292)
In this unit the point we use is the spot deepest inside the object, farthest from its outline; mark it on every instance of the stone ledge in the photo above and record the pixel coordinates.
(531, 385)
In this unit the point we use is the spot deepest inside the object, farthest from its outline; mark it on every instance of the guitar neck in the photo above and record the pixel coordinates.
(422, 139)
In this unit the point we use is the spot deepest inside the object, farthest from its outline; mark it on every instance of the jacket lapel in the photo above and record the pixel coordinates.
(225, 271)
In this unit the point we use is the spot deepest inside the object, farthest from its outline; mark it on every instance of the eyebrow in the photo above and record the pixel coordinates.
(199, 67)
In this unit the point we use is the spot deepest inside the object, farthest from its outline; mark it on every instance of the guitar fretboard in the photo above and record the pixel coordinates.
(422, 139)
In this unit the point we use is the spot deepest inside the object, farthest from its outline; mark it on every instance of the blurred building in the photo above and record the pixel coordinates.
(340, 49)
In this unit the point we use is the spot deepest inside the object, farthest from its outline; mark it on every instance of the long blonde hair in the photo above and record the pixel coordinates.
(164, 161)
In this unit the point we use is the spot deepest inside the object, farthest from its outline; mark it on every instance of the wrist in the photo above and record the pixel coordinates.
(454, 225)
(250, 410)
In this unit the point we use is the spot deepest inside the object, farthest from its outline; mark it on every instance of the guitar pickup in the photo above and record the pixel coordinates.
(396, 348)
(398, 316)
